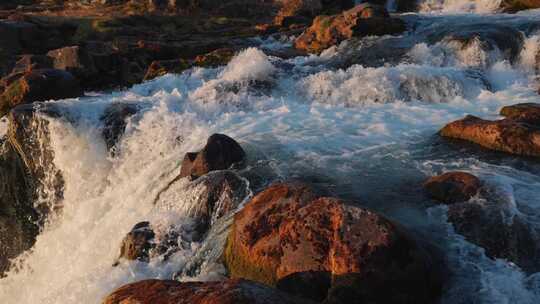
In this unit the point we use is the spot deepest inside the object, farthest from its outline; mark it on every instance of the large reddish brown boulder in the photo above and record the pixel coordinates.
(362, 20)
(220, 153)
(453, 187)
(506, 135)
(323, 249)
(39, 85)
(224, 292)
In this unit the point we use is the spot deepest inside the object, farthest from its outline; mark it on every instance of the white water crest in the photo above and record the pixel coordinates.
(364, 133)
(460, 6)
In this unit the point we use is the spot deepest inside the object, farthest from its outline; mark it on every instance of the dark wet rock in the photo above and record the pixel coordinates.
(525, 112)
(138, 243)
(162, 67)
(39, 85)
(221, 292)
(220, 153)
(99, 65)
(18, 218)
(28, 173)
(215, 58)
(30, 136)
(75, 60)
(452, 187)
(176, 66)
(512, 6)
(33, 36)
(114, 121)
(506, 39)
(362, 20)
(28, 63)
(205, 201)
(506, 135)
(496, 228)
(213, 196)
(287, 237)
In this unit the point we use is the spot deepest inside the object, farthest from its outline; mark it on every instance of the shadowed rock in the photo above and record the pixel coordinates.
(39, 85)
(287, 237)
(18, 218)
(114, 123)
(220, 153)
(224, 292)
(452, 187)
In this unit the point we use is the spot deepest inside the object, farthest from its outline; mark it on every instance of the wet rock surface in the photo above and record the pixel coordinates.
(498, 231)
(287, 237)
(220, 153)
(114, 121)
(452, 187)
(362, 20)
(518, 134)
(225, 292)
(18, 218)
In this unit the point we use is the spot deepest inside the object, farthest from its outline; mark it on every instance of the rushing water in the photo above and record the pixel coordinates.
(366, 133)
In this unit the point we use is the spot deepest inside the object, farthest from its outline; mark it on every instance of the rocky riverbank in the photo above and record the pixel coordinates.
(267, 151)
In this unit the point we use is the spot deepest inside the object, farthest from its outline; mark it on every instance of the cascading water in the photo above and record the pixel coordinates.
(365, 132)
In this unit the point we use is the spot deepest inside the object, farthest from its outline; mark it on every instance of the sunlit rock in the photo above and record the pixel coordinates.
(287, 237)
(362, 20)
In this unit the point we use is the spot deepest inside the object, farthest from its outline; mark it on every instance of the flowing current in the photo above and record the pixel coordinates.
(365, 131)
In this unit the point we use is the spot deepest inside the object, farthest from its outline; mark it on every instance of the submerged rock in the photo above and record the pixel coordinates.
(204, 202)
(325, 250)
(453, 187)
(488, 221)
(224, 292)
(220, 153)
(502, 234)
(114, 121)
(138, 243)
(506, 135)
(39, 85)
(489, 37)
(362, 20)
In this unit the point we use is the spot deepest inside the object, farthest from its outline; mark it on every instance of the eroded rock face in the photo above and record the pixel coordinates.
(362, 20)
(287, 237)
(220, 153)
(224, 292)
(39, 85)
(506, 135)
(453, 187)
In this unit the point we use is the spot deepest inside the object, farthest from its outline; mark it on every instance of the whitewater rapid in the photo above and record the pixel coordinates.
(363, 133)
